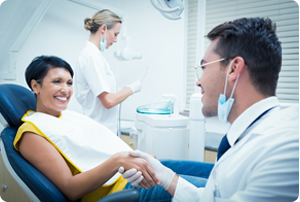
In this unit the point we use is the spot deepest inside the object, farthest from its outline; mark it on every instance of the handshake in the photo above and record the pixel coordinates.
(164, 174)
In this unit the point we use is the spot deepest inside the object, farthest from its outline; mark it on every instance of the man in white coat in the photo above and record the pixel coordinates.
(258, 158)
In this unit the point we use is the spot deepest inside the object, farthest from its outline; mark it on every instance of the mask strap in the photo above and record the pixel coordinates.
(104, 34)
(227, 77)
(234, 85)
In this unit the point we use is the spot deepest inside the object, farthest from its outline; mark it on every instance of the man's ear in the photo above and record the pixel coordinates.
(237, 67)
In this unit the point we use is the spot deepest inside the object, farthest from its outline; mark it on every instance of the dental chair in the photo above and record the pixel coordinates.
(15, 100)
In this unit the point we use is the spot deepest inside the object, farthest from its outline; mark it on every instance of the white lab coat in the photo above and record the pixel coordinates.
(92, 77)
(262, 166)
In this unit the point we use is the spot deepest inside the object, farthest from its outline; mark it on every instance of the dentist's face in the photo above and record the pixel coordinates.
(112, 34)
(55, 91)
(212, 81)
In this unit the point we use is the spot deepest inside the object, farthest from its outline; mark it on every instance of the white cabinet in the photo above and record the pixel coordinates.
(10, 191)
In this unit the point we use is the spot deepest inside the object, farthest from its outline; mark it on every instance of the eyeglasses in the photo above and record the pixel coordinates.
(199, 70)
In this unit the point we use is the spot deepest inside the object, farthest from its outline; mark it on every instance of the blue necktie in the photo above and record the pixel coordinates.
(223, 147)
(224, 144)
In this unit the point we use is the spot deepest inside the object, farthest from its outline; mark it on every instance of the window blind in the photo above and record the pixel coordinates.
(285, 13)
(191, 49)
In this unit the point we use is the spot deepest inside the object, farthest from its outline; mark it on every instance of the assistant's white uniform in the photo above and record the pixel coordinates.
(262, 163)
(92, 77)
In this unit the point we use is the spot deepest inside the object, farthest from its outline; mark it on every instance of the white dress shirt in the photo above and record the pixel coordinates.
(92, 77)
(262, 163)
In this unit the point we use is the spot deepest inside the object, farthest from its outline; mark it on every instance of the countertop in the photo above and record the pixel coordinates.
(212, 140)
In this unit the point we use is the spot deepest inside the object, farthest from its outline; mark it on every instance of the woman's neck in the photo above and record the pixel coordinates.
(95, 40)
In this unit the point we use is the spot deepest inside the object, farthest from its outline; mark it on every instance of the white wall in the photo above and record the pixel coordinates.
(60, 32)
(161, 42)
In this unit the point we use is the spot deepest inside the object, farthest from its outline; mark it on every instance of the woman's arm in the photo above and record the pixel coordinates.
(110, 100)
(45, 157)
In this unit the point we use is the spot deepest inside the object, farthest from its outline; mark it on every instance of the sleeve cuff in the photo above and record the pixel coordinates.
(186, 191)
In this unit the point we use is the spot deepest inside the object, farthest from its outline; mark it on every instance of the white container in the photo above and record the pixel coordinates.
(197, 129)
(165, 136)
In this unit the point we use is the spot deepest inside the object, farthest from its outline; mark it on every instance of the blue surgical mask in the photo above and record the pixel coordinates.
(103, 42)
(224, 106)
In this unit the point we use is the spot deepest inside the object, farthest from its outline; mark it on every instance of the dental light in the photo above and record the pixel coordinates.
(127, 53)
(170, 9)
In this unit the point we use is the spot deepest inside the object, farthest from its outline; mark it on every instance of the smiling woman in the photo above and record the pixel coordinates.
(50, 78)
(58, 90)
(48, 137)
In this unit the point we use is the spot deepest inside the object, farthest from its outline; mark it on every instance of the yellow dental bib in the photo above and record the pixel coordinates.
(81, 140)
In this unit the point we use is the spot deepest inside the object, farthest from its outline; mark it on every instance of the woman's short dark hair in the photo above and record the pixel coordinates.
(255, 40)
(39, 67)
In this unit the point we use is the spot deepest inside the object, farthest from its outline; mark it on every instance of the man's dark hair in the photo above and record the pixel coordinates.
(40, 66)
(255, 40)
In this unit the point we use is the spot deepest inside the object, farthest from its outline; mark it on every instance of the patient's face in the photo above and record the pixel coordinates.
(55, 91)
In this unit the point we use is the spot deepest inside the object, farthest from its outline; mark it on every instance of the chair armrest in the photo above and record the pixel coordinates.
(124, 195)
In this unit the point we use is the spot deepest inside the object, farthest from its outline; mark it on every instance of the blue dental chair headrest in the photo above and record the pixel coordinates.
(15, 101)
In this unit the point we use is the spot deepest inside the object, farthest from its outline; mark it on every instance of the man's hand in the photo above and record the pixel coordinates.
(133, 176)
(164, 174)
(139, 171)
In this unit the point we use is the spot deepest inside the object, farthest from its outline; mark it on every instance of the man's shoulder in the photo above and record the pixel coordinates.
(287, 115)
(282, 122)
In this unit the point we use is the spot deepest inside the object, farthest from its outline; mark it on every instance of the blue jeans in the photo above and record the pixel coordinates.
(194, 172)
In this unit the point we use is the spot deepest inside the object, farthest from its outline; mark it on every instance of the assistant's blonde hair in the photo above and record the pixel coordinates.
(105, 16)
